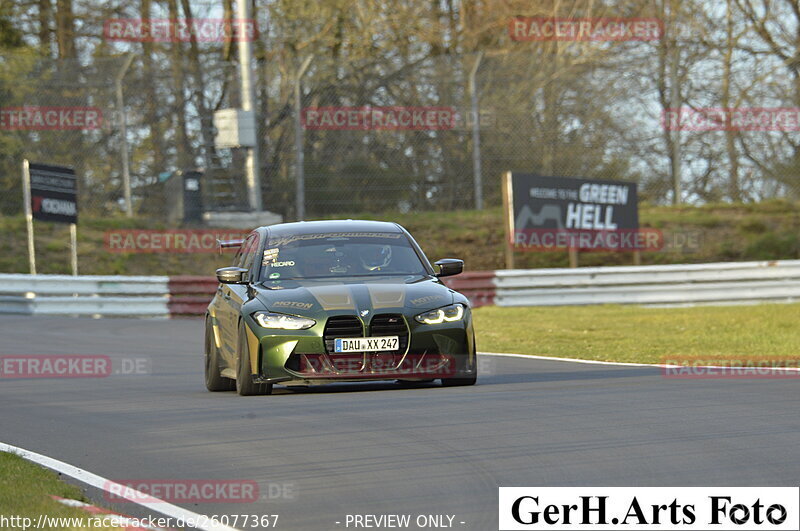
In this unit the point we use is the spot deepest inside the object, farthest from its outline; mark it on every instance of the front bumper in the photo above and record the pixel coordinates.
(294, 357)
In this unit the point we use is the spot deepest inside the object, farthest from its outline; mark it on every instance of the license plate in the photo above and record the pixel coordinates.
(366, 344)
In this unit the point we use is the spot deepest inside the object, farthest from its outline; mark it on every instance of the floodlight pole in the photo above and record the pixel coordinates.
(252, 165)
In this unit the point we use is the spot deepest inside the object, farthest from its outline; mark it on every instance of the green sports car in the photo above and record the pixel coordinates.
(329, 301)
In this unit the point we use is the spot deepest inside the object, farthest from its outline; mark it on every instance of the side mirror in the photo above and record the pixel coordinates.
(449, 267)
(232, 275)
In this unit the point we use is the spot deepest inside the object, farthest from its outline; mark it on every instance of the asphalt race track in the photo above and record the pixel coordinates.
(320, 454)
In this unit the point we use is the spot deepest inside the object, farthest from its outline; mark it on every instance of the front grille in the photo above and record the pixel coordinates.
(352, 365)
(341, 326)
(390, 324)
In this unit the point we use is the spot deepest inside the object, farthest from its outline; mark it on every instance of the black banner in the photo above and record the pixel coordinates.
(54, 193)
(559, 212)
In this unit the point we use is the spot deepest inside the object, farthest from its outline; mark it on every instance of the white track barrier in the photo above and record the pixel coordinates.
(718, 283)
(85, 295)
(664, 285)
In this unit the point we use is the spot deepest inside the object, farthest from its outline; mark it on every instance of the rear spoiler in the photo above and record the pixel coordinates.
(228, 244)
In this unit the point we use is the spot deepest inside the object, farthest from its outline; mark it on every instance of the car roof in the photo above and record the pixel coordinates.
(333, 225)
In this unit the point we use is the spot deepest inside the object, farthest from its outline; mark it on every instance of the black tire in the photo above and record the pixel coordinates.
(411, 384)
(214, 381)
(469, 380)
(244, 377)
(454, 382)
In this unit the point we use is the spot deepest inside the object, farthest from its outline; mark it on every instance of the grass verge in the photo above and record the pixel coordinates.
(641, 334)
(25, 490)
(713, 233)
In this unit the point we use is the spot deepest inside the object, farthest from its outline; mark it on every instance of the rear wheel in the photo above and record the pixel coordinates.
(244, 375)
(214, 381)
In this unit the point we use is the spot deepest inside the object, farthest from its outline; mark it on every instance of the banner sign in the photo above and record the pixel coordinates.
(551, 213)
(54, 193)
(649, 508)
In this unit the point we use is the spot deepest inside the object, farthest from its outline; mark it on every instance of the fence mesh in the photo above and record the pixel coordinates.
(589, 110)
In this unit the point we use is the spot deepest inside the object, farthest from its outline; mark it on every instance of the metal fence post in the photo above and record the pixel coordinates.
(126, 172)
(300, 197)
(476, 134)
(26, 198)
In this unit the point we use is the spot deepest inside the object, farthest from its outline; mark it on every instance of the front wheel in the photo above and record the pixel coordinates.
(244, 375)
(454, 382)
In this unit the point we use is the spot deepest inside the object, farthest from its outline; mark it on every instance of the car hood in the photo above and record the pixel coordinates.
(407, 295)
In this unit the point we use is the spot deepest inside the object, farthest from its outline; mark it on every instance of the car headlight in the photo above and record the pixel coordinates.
(282, 321)
(447, 314)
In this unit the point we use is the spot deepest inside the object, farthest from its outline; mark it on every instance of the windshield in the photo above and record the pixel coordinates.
(343, 254)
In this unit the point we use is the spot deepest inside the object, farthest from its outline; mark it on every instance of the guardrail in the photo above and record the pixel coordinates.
(665, 285)
(191, 295)
(84, 295)
(150, 296)
(478, 286)
(685, 284)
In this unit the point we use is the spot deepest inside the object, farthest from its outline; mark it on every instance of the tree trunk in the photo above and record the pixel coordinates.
(206, 120)
(153, 104)
(184, 151)
(45, 16)
(65, 29)
(734, 190)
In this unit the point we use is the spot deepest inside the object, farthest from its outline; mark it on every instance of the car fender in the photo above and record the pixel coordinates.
(252, 346)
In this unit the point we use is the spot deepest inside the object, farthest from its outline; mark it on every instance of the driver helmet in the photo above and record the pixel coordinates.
(375, 257)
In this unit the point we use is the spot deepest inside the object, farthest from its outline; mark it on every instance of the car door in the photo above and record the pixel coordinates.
(234, 295)
(220, 311)
(225, 314)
